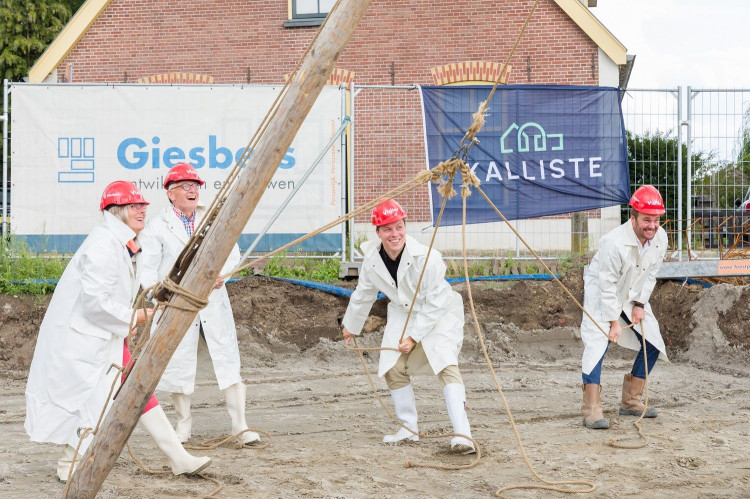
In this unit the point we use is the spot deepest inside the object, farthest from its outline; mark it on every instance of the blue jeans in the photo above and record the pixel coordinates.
(639, 366)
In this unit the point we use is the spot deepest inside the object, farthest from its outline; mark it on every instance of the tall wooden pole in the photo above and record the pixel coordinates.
(220, 238)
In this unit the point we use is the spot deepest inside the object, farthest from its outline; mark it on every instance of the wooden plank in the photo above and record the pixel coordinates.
(205, 267)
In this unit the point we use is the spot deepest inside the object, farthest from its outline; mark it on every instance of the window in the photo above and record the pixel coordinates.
(304, 9)
(308, 12)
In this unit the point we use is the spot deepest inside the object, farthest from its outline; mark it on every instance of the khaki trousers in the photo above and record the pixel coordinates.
(416, 361)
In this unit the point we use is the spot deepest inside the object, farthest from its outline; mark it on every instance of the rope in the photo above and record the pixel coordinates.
(215, 442)
(83, 433)
(149, 471)
(469, 139)
(420, 179)
(551, 485)
(199, 234)
(617, 444)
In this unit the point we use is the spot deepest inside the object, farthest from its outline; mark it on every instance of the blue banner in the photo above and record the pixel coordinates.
(544, 150)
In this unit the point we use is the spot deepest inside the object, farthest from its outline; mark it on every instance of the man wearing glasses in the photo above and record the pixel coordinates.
(162, 242)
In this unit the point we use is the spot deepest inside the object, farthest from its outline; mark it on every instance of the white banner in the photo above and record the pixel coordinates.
(69, 142)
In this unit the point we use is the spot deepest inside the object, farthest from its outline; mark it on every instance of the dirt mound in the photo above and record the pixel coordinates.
(20, 318)
(518, 317)
(734, 322)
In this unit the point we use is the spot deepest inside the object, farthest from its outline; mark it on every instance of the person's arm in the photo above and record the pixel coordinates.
(610, 273)
(100, 280)
(232, 261)
(360, 304)
(151, 255)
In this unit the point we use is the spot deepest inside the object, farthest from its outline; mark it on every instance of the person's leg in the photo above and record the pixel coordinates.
(402, 394)
(455, 400)
(634, 382)
(152, 401)
(67, 463)
(591, 409)
(157, 425)
(594, 377)
(639, 365)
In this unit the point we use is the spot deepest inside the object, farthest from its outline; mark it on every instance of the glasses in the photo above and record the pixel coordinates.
(186, 187)
(137, 206)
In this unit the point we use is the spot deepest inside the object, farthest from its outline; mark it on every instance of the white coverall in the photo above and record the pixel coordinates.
(162, 242)
(81, 335)
(437, 320)
(617, 277)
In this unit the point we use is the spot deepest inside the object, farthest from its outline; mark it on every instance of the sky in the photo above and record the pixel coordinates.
(701, 43)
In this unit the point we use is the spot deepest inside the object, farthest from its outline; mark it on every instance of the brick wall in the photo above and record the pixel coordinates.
(398, 41)
(225, 38)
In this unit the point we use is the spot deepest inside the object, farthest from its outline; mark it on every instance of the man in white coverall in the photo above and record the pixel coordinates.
(84, 332)
(617, 287)
(162, 243)
(435, 331)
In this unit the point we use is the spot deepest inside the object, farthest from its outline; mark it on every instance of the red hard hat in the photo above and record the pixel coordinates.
(182, 171)
(387, 212)
(647, 200)
(121, 192)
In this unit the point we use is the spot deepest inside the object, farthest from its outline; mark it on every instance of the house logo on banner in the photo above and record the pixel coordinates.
(540, 139)
(77, 154)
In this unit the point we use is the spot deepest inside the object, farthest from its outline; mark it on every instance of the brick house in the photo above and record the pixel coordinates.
(398, 42)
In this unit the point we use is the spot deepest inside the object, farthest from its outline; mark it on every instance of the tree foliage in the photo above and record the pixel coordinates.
(26, 29)
(652, 158)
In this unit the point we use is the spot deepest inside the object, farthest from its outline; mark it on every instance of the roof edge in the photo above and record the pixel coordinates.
(595, 30)
(67, 39)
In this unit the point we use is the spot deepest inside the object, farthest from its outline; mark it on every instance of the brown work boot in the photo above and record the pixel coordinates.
(592, 407)
(632, 388)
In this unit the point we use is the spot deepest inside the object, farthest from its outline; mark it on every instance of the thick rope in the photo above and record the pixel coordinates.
(469, 139)
(420, 179)
(617, 444)
(551, 485)
(149, 471)
(83, 433)
(200, 232)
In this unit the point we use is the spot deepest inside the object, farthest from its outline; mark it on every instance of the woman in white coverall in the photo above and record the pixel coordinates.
(163, 241)
(617, 286)
(435, 331)
(84, 331)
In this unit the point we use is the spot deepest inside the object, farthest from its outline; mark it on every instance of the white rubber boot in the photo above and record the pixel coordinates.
(158, 426)
(63, 464)
(455, 400)
(184, 426)
(235, 396)
(406, 411)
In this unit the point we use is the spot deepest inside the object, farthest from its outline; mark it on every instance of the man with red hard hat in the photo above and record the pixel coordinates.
(617, 287)
(435, 331)
(163, 241)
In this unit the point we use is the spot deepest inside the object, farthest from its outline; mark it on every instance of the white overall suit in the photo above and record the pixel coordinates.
(436, 325)
(81, 336)
(617, 277)
(162, 241)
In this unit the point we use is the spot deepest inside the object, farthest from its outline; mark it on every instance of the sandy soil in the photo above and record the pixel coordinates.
(314, 398)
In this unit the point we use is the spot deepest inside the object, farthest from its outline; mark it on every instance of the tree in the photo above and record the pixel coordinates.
(743, 155)
(652, 158)
(26, 28)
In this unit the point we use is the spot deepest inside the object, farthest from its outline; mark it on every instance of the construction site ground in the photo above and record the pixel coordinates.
(313, 397)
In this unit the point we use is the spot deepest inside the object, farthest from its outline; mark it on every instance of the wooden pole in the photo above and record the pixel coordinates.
(220, 238)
